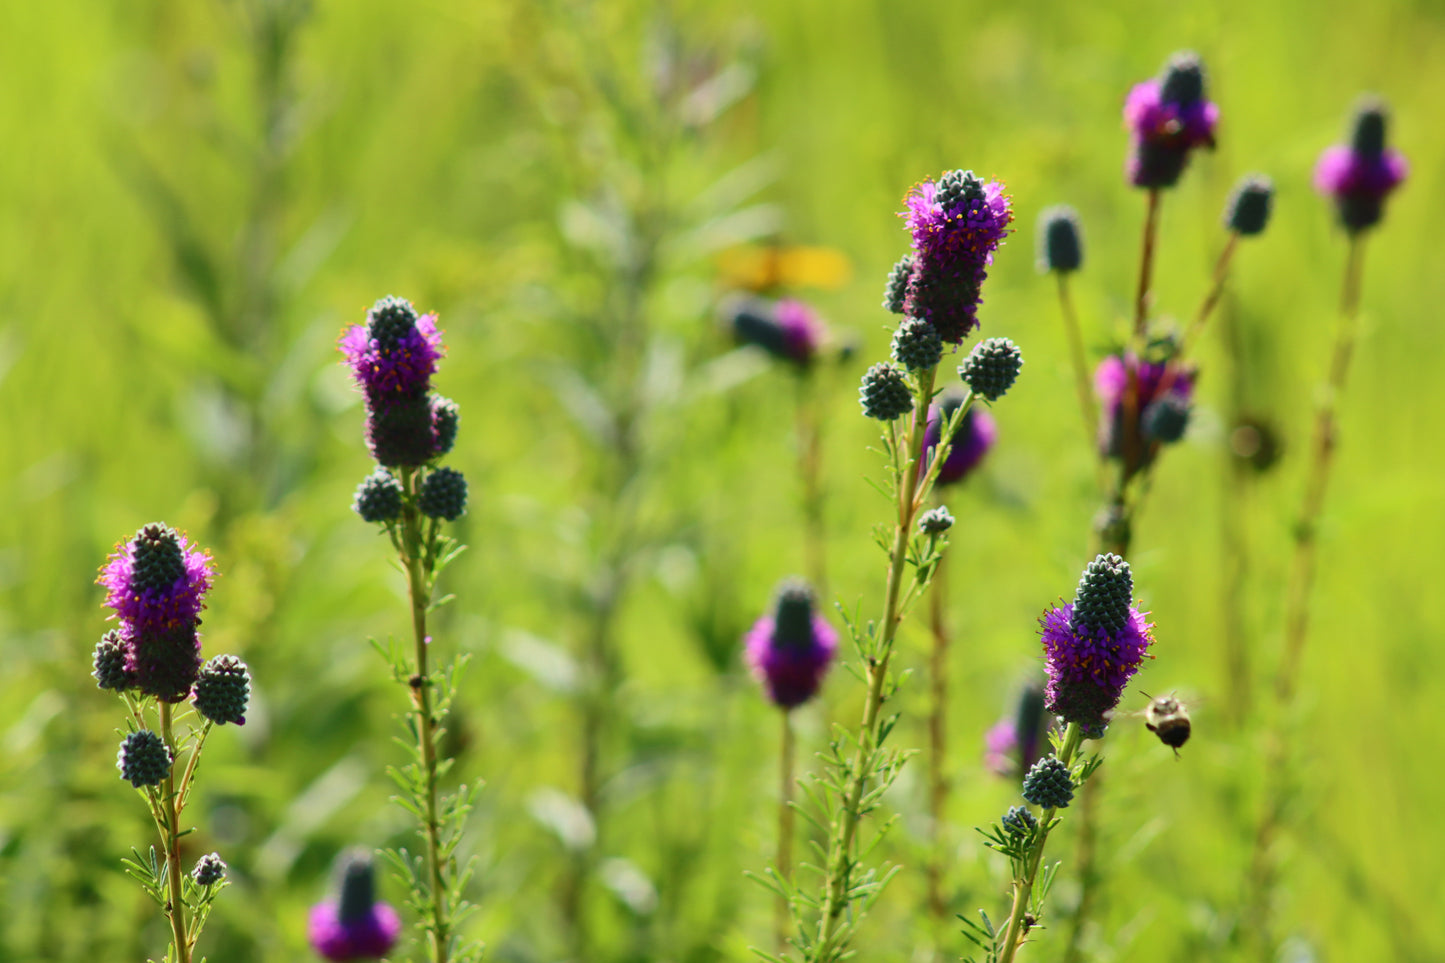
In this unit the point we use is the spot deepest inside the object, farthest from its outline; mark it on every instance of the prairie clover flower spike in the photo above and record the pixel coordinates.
(1018, 821)
(156, 585)
(992, 367)
(356, 926)
(1248, 208)
(885, 394)
(443, 495)
(791, 650)
(916, 345)
(1359, 176)
(110, 671)
(975, 436)
(395, 353)
(223, 690)
(445, 419)
(1167, 118)
(1061, 243)
(789, 330)
(956, 225)
(1049, 784)
(1163, 406)
(1094, 645)
(935, 521)
(209, 871)
(144, 760)
(896, 292)
(1012, 745)
(378, 498)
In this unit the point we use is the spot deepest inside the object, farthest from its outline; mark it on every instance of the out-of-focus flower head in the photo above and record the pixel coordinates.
(791, 650)
(355, 926)
(1167, 118)
(976, 434)
(1162, 400)
(956, 225)
(788, 329)
(1359, 176)
(1011, 747)
(1094, 645)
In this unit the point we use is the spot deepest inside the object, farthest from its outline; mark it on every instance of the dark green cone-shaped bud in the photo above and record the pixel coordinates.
(1061, 243)
(935, 521)
(897, 288)
(992, 367)
(210, 870)
(1165, 419)
(445, 418)
(793, 615)
(1018, 821)
(1048, 784)
(1106, 591)
(378, 498)
(1247, 210)
(110, 671)
(885, 394)
(358, 887)
(157, 558)
(1183, 81)
(1367, 133)
(916, 345)
(223, 690)
(144, 759)
(389, 320)
(443, 495)
(958, 187)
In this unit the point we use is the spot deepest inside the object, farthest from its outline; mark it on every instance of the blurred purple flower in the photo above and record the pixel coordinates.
(973, 439)
(787, 329)
(1167, 118)
(1153, 382)
(394, 354)
(791, 650)
(1359, 176)
(356, 926)
(1011, 747)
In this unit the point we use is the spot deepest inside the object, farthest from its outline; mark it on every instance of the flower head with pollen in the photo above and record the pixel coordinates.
(790, 650)
(956, 225)
(395, 353)
(1359, 176)
(356, 926)
(1094, 645)
(156, 579)
(1167, 118)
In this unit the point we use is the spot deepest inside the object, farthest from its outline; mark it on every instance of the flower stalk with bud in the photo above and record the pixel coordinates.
(408, 430)
(956, 224)
(156, 584)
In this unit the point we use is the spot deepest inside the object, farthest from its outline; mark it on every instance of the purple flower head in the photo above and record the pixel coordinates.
(355, 927)
(788, 329)
(1012, 745)
(156, 580)
(395, 353)
(1167, 118)
(956, 224)
(975, 436)
(1094, 645)
(1157, 389)
(1360, 175)
(790, 651)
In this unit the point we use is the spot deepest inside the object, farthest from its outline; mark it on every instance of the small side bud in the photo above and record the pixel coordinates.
(1061, 244)
(992, 367)
(144, 760)
(885, 394)
(1165, 419)
(443, 495)
(210, 870)
(897, 288)
(1049, 784)
(935, 521)
(378, 498)
(110, 671)
(1018, 821)
(916, 345)
(1248, 208)
(223, 690)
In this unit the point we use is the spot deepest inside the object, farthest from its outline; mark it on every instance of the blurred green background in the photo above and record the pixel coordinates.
(195, 197)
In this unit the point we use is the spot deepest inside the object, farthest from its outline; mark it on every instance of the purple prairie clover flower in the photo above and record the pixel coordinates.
(975, 436)
(394, 354)
(1011, 747)
(1094, 645)
(1157, 389)
(156, 579)
(956, 225)
(356, 926)
(791, 650)
(1167, 118)
(1359, 176)
(788, 329)
(162, 661)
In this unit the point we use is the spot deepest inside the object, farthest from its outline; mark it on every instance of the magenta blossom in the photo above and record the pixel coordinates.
(1161, 408)
(156, 579)
(1359, 176)
(791, 650)
(357, 926)
(397, 367)
(976, 434)
(1167, 118)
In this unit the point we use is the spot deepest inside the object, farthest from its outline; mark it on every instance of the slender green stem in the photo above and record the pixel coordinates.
(938, 781)
(827, 947)
(1146, 263)
(810, 474)
(1088, 409)
(1017, 931)
(1302, 570)
(786, 765)
(1216, 290)
(419, 588)
(171, 843)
